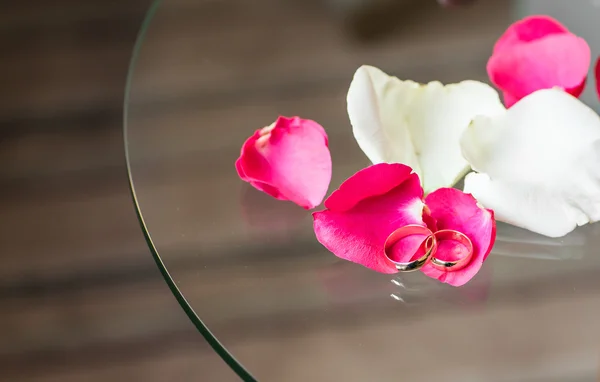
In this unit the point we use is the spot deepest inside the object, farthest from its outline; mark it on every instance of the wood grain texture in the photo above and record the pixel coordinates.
(81, 296)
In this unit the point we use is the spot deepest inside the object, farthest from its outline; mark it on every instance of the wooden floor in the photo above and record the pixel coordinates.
(81, 297)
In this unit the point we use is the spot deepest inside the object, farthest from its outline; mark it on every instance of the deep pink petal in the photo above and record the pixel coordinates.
(509, 99)
(289, 160)
(559, 60)
(358, 233)
(249, 155)
(597, 75)
(529, 29)
(453, 209)
(429, 220)
(371, 181)
(247, 150)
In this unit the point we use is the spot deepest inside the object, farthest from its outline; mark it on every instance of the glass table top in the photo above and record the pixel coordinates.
(247, 269)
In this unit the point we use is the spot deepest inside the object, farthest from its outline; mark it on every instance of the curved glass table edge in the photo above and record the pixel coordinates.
(204, 330)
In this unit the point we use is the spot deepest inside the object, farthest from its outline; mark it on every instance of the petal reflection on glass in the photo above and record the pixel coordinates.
(517, 242)
(412, 291)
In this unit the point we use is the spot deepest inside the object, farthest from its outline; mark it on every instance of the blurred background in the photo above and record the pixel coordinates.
(80, 295)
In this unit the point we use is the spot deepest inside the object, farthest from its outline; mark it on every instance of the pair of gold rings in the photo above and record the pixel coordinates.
(428, 248)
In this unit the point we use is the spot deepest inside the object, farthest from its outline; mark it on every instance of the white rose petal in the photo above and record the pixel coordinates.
(419, 125)
(538, 163)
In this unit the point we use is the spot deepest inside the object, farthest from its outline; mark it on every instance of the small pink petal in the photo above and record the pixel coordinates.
(529, 29)
(597, 75)
(560, 60)
(538, 53)
(360, 216)
(453, 209)
(288, 160)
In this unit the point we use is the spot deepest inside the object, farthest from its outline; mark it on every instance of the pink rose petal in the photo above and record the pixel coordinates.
(429, 220)
(538, 53)
(529, 29)
(453, 209)
(597, 75)
(366, 209)
(409, 248)
(368, 182)
(264, 215)
(288, 160)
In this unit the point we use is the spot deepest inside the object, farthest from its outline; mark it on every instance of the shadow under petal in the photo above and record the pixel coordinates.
(265, 214)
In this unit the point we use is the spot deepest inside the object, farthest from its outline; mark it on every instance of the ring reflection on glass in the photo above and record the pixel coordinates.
(427, 247)
(453, 265)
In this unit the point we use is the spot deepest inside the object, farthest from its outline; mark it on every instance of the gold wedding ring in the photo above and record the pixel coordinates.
(428, 246)
(453, 265)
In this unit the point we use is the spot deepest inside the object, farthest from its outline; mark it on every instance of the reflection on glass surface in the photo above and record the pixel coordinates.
(248, 270)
